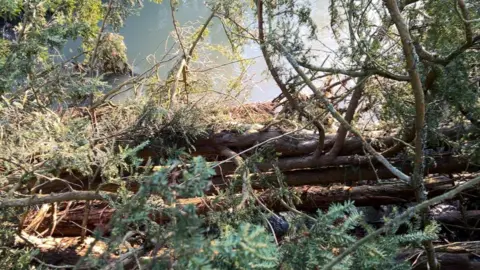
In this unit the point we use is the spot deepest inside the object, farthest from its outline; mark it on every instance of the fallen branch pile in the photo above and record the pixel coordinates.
(318, 181)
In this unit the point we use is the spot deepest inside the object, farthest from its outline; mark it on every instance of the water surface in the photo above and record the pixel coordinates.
(147, 35)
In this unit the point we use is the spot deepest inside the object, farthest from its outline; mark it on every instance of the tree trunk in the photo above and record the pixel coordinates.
(323, 176)
(311, 197)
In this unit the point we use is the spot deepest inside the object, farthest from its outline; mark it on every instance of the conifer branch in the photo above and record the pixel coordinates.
(400, 219)
(355, 73)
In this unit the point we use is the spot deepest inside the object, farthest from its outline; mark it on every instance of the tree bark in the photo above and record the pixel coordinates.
(324, 176)
(420, 135)
(342, 130)
(53, 198)
(449, 261)
(302, 144)
(456, 217)
(311, 199)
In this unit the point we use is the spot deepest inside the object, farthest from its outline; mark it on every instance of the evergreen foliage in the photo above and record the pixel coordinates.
(334, 231)
(55, 120)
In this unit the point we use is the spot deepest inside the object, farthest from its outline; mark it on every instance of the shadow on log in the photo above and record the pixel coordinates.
(451, 261)
(456, 217)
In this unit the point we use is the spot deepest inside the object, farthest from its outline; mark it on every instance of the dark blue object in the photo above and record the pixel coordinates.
(279, 224)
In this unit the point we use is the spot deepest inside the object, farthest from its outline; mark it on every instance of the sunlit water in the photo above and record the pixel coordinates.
(147, 35)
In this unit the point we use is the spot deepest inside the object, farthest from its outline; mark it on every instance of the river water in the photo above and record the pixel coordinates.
(147, 35)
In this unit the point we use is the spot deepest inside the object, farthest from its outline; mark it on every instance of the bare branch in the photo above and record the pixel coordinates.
(283, 88)
(420, 135)
(60, 197)
(173, 89)
(240, 163)
(51, 266)
(175, 26)
(255, 146)
(431, 57)
(408, 137)
(342, 130)
(355, 73)
(465, 17)
(99, 36)
(200, 35)
(181, 67)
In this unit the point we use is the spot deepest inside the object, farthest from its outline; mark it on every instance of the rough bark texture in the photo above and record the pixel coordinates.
(312, 198)
(304, 143)
(450, 261)
(457, 217)
(420, 130)
(324, 176)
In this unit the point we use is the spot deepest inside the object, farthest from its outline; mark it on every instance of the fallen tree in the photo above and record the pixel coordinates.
(311, 198)
(446, 164)
(301, 144)
(389, 147)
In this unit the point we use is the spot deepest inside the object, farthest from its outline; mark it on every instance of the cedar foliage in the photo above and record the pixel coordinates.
(51, 126)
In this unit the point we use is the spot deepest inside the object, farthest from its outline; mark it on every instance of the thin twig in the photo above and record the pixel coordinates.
(240, 163)
(273, 231)
(175, 26)
(99, 36)
(185, 60)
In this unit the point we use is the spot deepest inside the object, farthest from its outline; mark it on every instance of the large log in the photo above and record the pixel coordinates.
(449, 261)
(324, 176)
(295, 151)
(347, 174)
(451, 256)
(457, 217)
(301, 144)
(70, 216)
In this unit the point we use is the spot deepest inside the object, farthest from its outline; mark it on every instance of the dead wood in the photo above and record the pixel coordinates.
(311, 199)
(324, 176)
(457, 217)
(450, 261)
(303, 143)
